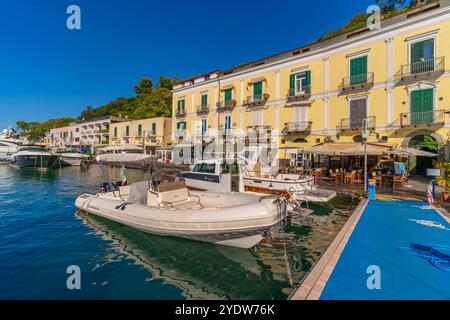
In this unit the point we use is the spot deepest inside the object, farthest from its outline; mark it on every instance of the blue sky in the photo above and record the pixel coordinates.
(48, 71)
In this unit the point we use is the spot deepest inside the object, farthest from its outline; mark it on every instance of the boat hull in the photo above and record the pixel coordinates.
(35, 161)
(71, 161)
(225, 226)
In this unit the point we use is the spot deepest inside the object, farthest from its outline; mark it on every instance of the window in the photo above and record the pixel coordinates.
(181, 106)
(230, 168)
(256, 118)
(358, 112)
(204, 125)
(228, 94)
(358, 70)
(227, 122)
(154, 127)
(181, 125)
(115, 132)
(257, 91)
(139, 130)
(127, 130)
(422, 106)
(422, 56)
(204, 100)
(300, 83)
(205, 168)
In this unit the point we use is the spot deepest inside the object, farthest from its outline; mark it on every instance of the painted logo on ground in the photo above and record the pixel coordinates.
(437, 255)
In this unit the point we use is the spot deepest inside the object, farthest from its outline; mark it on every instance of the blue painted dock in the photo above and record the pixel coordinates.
(397, 250)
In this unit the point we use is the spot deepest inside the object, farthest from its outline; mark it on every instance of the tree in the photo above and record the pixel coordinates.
(144, 87)
(165, 82)
(391, 5)
(22, 125)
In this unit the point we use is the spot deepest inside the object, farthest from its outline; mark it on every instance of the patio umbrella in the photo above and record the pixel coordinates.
(407, 152)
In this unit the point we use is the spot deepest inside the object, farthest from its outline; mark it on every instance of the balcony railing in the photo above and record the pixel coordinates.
(354, 124)
(226, 105)
(357, 82)
(297, 127)
(295, 94)
(422, 68)
(202, 109)
(256, 100)
(180, 113)
(424, 118)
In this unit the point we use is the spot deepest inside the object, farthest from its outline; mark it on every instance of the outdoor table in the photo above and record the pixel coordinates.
(387, 180)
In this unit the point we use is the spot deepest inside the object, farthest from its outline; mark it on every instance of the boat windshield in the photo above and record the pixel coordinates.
(37, 149)
(205, 168)
(230, 168)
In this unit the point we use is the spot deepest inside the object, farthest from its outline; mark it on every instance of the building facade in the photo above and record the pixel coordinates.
(64, 136)
(394, 82)
(94, 133)
(152, 133)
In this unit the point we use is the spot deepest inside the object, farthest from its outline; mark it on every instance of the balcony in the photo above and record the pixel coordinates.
(180, 113)
(202, 109)
(357, 82)
(294, 94)
(297, 127)
(226, 105)
(256, 100)
(357, 124)
(423, 119)
(422, 69)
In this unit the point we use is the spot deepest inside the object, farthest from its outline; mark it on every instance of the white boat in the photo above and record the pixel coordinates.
(34, 157)
(70, 156)
(170, 209)
(127, 160)
(8, 145)
(217, 175)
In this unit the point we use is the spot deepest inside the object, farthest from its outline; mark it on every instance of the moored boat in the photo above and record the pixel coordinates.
(34, 157)
(170, 209)
(70, 156)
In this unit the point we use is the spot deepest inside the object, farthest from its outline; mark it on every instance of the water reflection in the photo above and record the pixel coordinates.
(200, 270)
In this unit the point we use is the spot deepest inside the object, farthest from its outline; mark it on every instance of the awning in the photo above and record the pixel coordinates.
(406, 152)
(348, 149)
(123, 147)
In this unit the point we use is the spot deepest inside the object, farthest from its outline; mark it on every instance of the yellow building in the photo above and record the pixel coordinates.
(394, 80)
(154, 133)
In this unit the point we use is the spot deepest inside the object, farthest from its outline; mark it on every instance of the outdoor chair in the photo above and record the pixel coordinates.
(377, 178)
(398, 181)
(350, 177)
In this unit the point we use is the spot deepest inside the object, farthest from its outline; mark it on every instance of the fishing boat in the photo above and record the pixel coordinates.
(70, 156)
(168, 208)
(220, 175)
(34, 157)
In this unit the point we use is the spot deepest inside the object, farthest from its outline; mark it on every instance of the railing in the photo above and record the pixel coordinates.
(202, 109)
(357, 123)
(180, 113)
(256, 100)
(422, 118)
(295, 94)
(357, 81)
(226, 105)
(297, 127)
(422, 67)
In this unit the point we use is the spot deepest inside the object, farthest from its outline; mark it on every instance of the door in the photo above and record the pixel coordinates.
(358, 112)
(358, 70)
(422, 106)
(257, 91)
(422, 56)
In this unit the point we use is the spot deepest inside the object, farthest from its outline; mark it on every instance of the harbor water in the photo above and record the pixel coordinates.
(42, 234)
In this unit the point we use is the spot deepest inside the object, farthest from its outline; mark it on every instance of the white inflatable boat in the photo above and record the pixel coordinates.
(170, 209)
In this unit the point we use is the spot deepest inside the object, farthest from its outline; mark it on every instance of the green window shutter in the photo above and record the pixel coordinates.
(358, 70)
(422, 102)
(416, 52)
(257, 90)
(308, 81)
(115, 132)
(127, 131)
(140, 130)
(154, 127)
(292, 85)
(228, 94)
(179, 106)
(204, 100)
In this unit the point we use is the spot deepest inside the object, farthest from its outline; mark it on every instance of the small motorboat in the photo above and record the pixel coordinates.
(34, 157)
(168, 208)
(7, 149)
(127, 160)
(224, 175)
(70, 156)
